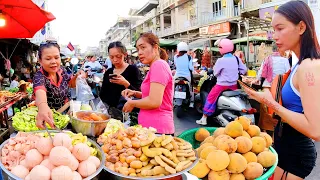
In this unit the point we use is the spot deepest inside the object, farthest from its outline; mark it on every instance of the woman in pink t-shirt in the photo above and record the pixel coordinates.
(156, 103)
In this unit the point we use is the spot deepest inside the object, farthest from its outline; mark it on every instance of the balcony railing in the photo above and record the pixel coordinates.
(250, 4)
(166, 3)
(166, 31)
(211, 17)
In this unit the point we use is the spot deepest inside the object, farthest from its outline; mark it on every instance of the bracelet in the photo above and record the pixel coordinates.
(42, 103)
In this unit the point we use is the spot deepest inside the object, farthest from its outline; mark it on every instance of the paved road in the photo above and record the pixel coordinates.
(188, 122)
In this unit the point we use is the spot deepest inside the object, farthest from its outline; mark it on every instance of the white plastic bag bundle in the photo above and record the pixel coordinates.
(83, 90)
(101, 107)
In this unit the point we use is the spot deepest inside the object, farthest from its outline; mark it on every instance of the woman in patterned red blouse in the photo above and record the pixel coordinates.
(50, 83)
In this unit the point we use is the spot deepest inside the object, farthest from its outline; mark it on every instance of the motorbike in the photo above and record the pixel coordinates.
(230, 104)
(95, 77)
(182, 95)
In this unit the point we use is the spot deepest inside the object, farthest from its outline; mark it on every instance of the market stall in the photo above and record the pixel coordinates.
(93, 145)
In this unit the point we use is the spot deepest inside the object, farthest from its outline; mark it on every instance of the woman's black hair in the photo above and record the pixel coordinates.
(47, 44)
(14, 76)
(119, 45)
(296, 12)
(181, 53)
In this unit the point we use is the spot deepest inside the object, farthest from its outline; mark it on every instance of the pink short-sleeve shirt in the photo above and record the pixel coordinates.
(162, 117)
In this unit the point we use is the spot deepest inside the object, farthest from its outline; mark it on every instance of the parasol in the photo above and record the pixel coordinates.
(21, 18)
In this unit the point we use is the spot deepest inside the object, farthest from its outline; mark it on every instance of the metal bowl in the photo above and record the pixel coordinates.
(88, 128)
(8, 175)
(177, 176)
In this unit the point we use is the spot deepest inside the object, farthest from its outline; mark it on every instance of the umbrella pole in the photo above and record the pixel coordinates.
(14, 49)
(2, 55)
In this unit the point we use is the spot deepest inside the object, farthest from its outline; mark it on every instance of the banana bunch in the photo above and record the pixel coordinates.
(80, 138)
(201, 81)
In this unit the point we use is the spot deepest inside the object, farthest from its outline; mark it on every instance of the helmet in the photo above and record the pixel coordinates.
(225, 46)
(182, 46)
(90, 54)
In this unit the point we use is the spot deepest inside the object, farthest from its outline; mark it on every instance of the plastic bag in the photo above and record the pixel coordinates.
(83, 90)
(101, 107)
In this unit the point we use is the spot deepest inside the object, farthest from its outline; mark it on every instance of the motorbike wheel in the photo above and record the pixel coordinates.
(179, 111)
(198, 106)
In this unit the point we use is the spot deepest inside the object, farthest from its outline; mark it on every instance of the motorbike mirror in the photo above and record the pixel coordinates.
(74, 61)
(210, 71)
(96, 79)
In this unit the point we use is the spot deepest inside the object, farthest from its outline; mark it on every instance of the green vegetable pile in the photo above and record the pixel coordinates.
(14, 90)
(26, 120)
(29, 90)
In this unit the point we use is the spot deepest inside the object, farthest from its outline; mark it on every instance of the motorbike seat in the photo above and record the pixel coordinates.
(178, 79)
(231, 93)
(181, 78)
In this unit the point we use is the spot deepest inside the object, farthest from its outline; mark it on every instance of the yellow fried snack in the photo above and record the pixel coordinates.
(168, 161)
(151, 153)
(151, 138)
(180, 166)
(165, 165)
(166, 141)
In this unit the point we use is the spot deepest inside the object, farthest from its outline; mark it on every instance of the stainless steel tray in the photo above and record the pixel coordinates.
(118, 176)
(8, 175)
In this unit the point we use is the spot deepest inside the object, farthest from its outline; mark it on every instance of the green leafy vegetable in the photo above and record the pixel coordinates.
(14, 90)
(26, 120)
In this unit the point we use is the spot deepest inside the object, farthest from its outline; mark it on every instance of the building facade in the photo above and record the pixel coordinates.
(46, 32)
(201, 22)
(103, 47)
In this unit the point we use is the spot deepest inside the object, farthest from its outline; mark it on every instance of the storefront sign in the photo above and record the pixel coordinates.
(267, 13)
(218, 29)
(204, 30)
(313, 4)
(265, 34)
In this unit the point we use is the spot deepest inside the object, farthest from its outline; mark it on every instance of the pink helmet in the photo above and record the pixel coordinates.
(225, 45)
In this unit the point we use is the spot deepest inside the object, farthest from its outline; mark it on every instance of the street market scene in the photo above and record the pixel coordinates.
(159, 90)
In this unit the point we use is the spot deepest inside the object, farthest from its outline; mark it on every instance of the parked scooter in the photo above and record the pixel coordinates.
(182, 95)
(95, 77)
(230, 104)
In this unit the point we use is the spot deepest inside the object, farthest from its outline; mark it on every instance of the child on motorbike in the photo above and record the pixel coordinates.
(227, 70)
(184, 66)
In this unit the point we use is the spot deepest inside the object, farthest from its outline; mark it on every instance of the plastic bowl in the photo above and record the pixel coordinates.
(189, 136)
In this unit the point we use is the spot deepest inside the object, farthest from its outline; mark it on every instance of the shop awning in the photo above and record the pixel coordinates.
(205, 41)
(251, 38)
(201, 48)
(130, 48)
(200, 43)
(168, 42)
(135, 54)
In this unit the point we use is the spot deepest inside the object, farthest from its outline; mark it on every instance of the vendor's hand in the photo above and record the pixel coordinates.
(128, 107)
(120, 80)
(44, 115)
(128, 93)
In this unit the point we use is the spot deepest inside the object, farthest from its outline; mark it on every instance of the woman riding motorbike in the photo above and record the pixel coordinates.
(227, 70)
(184, 66)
